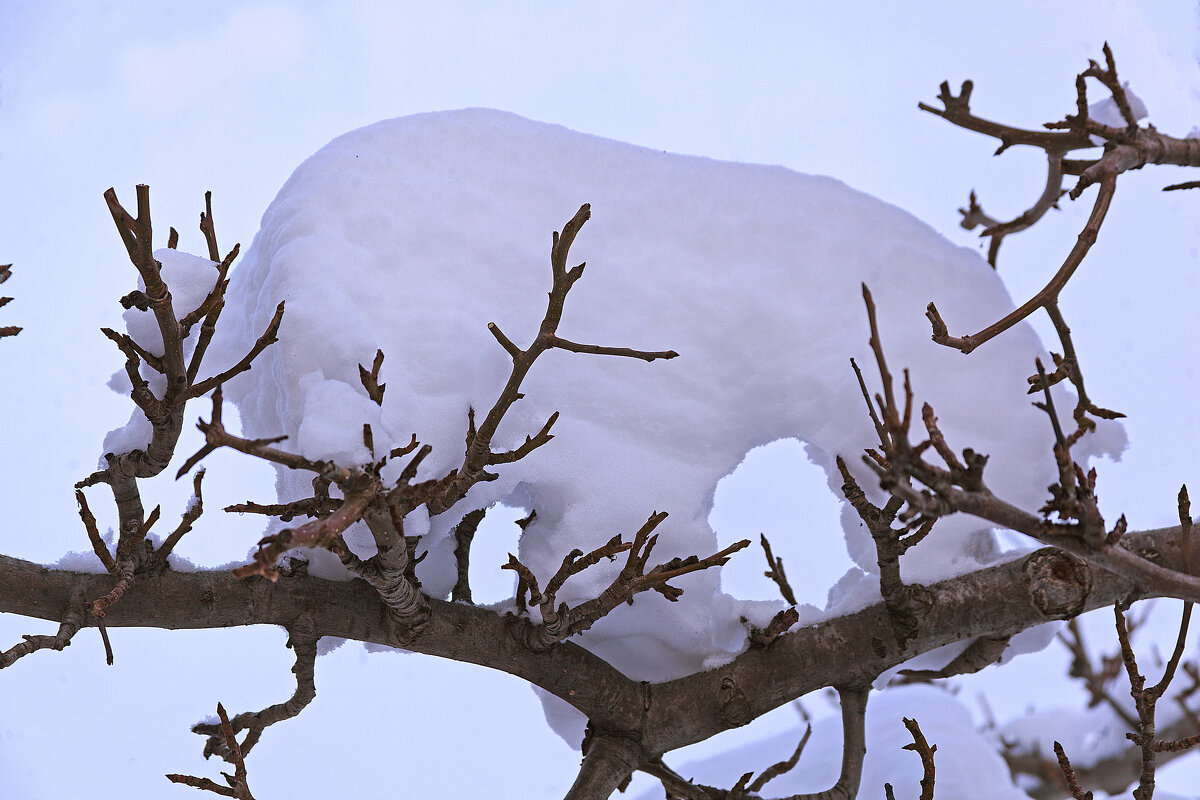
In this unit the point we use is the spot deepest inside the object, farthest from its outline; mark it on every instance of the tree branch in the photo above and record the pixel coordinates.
(479, 454)
(997, 601)
(607, 765)
(559, 622)
(221, 738)
(237, 785)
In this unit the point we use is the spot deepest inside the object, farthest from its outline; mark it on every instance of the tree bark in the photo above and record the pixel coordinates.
(608, 764)
(1002, 600)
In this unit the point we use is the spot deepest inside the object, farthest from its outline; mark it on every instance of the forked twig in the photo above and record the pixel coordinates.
(958, 486)
(776, 572)
(222, 739)
(925, 750)
(237, 786)
(479, 455)
(1126, 148)
(560, 621)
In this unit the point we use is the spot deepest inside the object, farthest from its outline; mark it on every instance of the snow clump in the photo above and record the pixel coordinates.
(412, 234)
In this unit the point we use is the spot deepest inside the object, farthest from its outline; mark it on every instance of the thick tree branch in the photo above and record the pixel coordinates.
(854, 747)
(607, 765)
(998, 601)
(349, 610)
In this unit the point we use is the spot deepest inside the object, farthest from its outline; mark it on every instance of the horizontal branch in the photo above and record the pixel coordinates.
(347, 609)
(998, 601)
(601, 350)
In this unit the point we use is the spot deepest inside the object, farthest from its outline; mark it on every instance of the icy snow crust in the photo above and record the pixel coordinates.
(410, 235)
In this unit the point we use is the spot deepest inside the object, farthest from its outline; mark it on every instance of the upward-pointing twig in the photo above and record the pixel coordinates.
(479, 454)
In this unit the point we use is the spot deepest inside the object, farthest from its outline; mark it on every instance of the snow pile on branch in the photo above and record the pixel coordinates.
(1106, 111)
(411, 235)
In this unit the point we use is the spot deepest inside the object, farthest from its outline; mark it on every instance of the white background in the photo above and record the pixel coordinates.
(232, 96)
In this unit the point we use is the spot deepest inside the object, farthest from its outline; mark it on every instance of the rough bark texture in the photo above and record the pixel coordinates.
(999, 601)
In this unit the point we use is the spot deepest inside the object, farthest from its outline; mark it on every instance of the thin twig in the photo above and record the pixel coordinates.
(71, 623)
(776, 572)
(238, 787)
(561, 621)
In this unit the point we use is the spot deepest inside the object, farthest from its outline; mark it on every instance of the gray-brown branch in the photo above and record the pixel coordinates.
(998, 601)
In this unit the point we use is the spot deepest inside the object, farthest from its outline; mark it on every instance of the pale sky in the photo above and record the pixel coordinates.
(231, 97)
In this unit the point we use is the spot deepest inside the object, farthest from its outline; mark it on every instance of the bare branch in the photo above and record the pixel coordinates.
(1125, 148)
(1096, 681)
(979, 654)
(479, 454)
(237, 785)
(1146, 698)
(956, 110)
(907, 603)
(89, 523)
(560, 622)
(222, 739)
(925, 751)
(192, 513)
(782, 767)
(1047, 295)
(995, 231)
(211, 308)
(310, 507)
(626, 352)
(268, 338)
(72, 621)
(854, 747)
(322, 533)
(464, 532)
(959, 487)
(209, 229)
(216, 436)
(1064, 763)
(370, 380)
(137, 235)
(779, 625)
(776, 572)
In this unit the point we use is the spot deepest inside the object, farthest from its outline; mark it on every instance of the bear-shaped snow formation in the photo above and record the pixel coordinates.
(411, 235)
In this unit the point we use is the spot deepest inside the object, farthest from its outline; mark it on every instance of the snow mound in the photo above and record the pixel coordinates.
(411, 235)
(966, 760)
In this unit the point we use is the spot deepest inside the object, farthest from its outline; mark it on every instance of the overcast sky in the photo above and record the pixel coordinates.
(231, 97)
